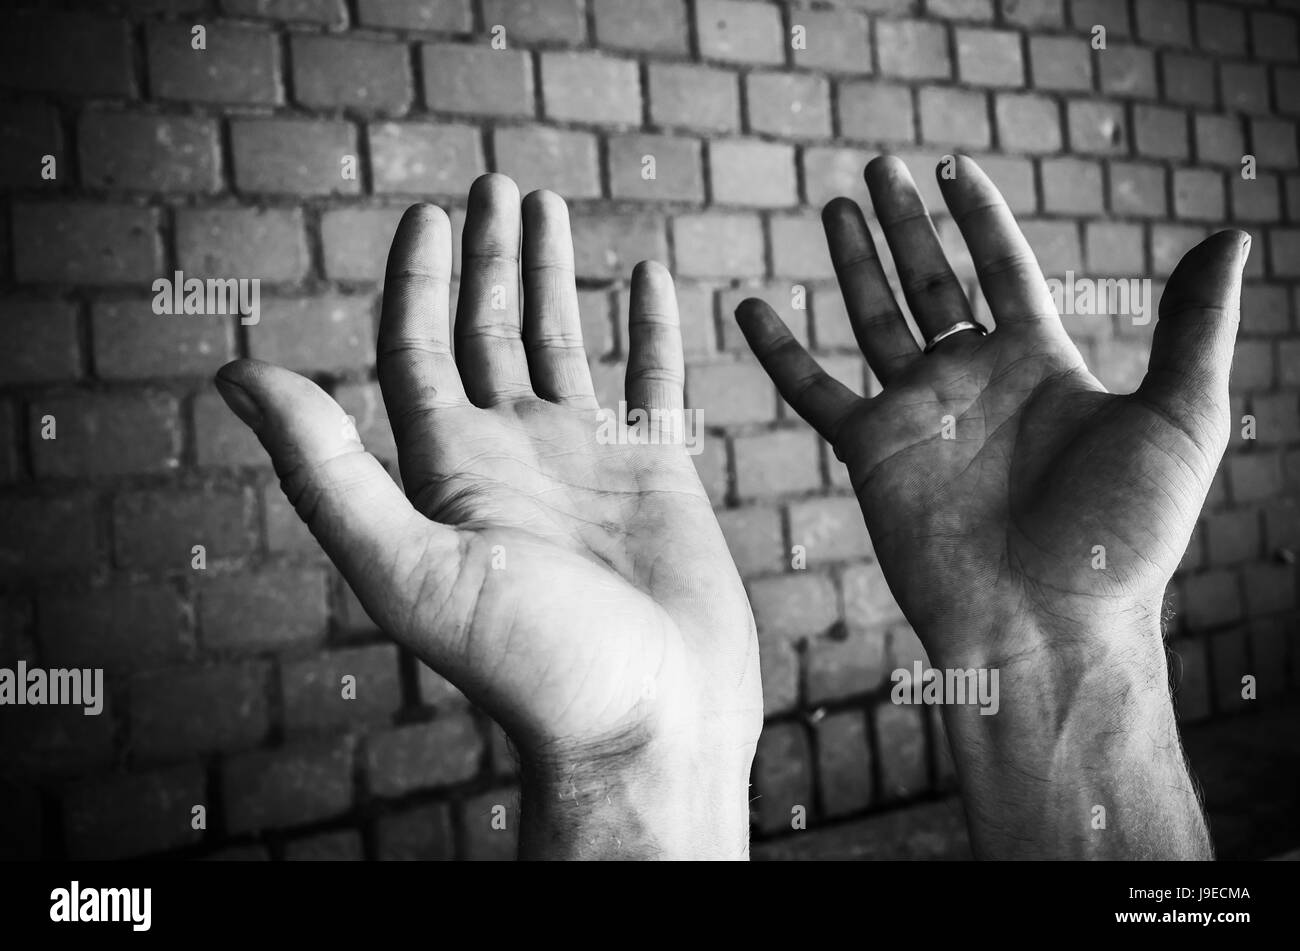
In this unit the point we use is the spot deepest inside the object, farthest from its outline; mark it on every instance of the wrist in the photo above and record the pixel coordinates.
(1082, 757)
(661, 799)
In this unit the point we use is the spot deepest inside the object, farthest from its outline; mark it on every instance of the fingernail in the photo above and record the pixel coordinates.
(240, 402)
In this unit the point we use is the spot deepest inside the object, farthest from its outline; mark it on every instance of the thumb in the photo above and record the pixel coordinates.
(357, 512)
(1191, 351)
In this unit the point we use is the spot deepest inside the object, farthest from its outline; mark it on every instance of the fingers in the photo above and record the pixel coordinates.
(1191, 351)
(932, 290)
(352, 506)
(1009, 274)
(655, 370)
(821, 400)
(416, 369)
(489, 349)
(552, 330)
(878, 323)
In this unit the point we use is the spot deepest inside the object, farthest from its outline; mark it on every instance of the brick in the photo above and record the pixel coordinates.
(1061, 63)
(485, 839)
(38, 341)
(1273, 142)
(1114, 249)
(1055, 244)
(343, 846)
(1199, 195)
(317, 333)
(718, 244)
(276, 608)
(1289, 361)
(653, 25)
(48, 534)
(422, 834)
(313, 688)
(1284, 252)
(28, 132)
(1188, 79)
(477, 80)
(912, 49)
(296, 785)
(961, 9)
(198, 710)
(931, 831)
(1160, 132)
(1071, 186)
(239, 64)
(844, 667)
(868, 602)
(798, 247)
(678, 175)
(124, 628)
(1257, 199)
(355, 242)
(410, 158)
(1212, 599)
(989, 58)
(834, 40)
(831, 172)
(793, 105)
(954, 116)
(829, 529)
(740, 32)
(776, 463)
(437, 691)
(1244, 87)
(57, 742)
(844, 762)
(126, 815)
(732, 393)
(81, 243)
(901, 742)
(779, 295)
(1219, 139)
(694, 97)
(1096, 128)
(452, 16)
(783, 776)
(1128, 71)
(266, 243)
(1220, 28)
(1113, 14)
(1286, 86)
(106, 435)
(377, 77)
(149, 153)
(325, 12)
(754, 173)
(1166, 24)
(1137, 189)
(1014, 178)
(221, 439)
(293, 156)
(1273, 36)
(1254, 477)
(608, 245)
(875, 112)
(67, 53)
(157, 529)
(1279, 418)
(590, 88)
(538, 20)
(1233, 536)
(537, 157)
(441, 752)
(753, 536)
(132, 342)
(1027, 123)
(1230, 663)
(1033, 13)
(1252, 365)
(793, 607)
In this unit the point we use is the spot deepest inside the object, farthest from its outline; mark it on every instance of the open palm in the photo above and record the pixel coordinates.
(578, 590)
(997, 470)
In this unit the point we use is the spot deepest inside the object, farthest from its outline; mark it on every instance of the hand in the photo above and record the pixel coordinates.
(991, 539)
(581, 593)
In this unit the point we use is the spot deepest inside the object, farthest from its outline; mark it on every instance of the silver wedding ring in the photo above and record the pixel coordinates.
(954, 329)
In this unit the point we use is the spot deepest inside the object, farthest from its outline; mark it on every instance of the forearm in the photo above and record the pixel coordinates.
(659, 803)
(1082, 759)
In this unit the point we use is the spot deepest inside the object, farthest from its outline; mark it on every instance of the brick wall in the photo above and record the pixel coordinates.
(228, 161)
